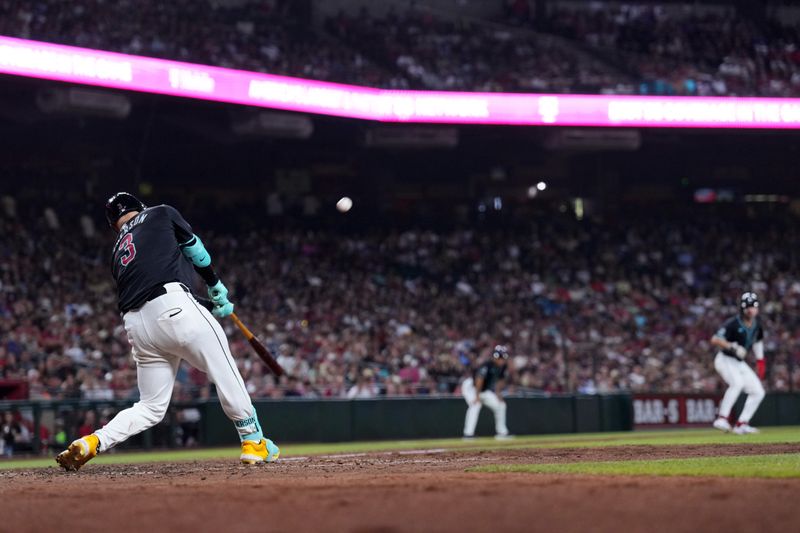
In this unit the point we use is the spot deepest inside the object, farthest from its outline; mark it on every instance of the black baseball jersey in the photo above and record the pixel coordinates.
(146, 255)
(491, 374)
(735, 330)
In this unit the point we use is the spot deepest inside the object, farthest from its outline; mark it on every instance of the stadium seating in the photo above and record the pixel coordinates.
(590, 307)
(594, 49)
(689, 51)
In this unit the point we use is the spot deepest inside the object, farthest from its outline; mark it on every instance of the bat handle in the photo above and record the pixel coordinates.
(247, 333)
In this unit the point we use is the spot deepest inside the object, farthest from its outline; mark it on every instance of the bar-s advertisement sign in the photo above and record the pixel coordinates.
(674, 410)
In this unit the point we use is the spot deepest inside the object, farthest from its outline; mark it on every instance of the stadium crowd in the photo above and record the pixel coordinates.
(592, 307)
(259, 36)
(454, 54)
(627, 48)
(689, 51)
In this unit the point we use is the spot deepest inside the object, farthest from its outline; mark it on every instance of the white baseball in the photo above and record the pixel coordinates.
(344, 204)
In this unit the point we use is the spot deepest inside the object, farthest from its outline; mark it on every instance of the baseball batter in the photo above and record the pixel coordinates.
(479, 390)
(734, 339)
(153, 262)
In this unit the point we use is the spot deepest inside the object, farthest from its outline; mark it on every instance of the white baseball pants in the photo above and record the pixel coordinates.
(487, 398)
(166, 330)
(740, 378)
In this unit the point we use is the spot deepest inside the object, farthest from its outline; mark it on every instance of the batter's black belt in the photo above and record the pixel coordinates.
(155, 292)
(161, 290)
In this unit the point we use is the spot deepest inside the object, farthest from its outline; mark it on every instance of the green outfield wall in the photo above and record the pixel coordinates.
(307, 420)
(417, 418)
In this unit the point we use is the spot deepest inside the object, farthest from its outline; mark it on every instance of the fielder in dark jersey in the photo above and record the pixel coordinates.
(489, 374)
(479, 390)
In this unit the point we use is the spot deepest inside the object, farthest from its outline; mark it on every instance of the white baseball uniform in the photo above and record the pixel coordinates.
(154, 259)
(487, 397)
(735, 371)
(740, 378)
(166, 330)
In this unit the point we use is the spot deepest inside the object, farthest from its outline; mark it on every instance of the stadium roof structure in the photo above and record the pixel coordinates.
(36, 59)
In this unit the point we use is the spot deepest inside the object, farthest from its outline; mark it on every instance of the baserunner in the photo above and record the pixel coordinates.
(734, 339)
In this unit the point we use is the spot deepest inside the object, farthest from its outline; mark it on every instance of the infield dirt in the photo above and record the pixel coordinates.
(426, 490)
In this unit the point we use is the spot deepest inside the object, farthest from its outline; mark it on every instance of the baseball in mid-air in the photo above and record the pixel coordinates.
(344, 204)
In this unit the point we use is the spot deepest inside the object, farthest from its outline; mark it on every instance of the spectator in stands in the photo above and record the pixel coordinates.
(364, 387)
(697, 50)
(10, 434)
(89, 422)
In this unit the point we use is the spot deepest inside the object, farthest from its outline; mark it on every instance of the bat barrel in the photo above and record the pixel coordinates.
(259, 348)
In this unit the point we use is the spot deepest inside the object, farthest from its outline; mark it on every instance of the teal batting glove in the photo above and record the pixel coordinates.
(218, 293)
(221, 311)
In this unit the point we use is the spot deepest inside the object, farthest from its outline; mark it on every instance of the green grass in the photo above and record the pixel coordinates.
(762, 466)
(572, 440)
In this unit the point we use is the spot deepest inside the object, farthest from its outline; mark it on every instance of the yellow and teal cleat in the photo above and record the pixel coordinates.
(254, 452)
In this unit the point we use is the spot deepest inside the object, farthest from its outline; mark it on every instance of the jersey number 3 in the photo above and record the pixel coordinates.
(126, 246)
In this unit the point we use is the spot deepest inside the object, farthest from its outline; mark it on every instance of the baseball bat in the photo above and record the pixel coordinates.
(260, 349)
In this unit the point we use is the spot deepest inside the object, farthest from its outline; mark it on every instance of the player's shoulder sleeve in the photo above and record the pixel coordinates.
(182, 229)
(483, 371)
(727, 329)
(760, 331)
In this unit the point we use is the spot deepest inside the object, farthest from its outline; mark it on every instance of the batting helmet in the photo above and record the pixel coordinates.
(500, 352)
(121, 203)
(749, 299)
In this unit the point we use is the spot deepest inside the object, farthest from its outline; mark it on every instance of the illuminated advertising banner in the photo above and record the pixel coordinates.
(35, 59)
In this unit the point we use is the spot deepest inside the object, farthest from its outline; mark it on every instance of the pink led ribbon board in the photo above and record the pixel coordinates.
(35, 59)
